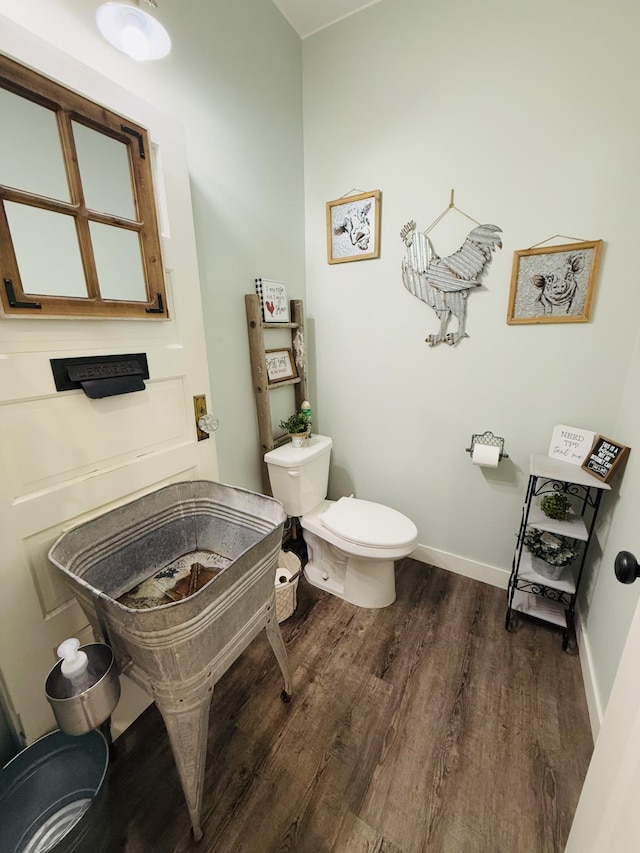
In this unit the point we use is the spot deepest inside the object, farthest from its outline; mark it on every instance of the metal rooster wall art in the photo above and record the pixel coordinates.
(443, 283)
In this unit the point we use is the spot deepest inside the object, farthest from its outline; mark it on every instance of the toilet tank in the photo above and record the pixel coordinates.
(299, 476)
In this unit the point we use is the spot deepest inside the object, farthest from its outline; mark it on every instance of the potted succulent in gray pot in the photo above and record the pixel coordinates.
(298, 427)
(550, 554)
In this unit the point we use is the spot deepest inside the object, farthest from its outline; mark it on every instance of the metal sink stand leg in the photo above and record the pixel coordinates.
(185, 705)
(277, 644)
(186, 718)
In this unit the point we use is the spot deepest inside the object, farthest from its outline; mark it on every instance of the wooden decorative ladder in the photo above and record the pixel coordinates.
(256, 329)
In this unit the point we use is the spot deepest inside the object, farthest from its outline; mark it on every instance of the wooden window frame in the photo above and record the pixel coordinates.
(69, 106)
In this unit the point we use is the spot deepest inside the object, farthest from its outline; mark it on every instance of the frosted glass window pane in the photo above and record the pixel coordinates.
(30, 151)
(105, 172)
(46, 247)
(119, 263)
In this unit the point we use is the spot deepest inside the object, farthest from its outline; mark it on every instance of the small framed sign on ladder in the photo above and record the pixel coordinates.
(273, 298)
(280, 364)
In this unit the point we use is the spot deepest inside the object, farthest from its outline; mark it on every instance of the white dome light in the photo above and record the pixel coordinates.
(133, 31)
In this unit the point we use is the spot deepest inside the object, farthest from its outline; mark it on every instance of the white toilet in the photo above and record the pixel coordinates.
(352, 544)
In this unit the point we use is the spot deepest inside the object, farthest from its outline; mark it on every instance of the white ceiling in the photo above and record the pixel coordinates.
(309, 16)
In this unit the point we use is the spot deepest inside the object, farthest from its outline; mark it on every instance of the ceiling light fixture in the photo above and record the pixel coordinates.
(132, 30)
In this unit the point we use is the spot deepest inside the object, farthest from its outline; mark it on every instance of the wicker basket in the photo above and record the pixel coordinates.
(286, 592)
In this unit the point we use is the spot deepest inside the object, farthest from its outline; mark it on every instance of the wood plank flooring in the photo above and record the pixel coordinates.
(421, 728)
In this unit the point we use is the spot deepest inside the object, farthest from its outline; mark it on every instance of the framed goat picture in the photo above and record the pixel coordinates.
(353, 228)
(554, 284)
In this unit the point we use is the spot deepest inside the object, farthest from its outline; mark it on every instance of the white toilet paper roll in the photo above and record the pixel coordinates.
(283, 576)
(486, 455)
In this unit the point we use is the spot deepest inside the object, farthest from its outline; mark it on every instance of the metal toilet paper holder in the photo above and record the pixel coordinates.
(490, 439)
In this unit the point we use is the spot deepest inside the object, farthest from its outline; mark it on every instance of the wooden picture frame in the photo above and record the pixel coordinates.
(280, 364)
(137, 291)
(554, 284)
(353, 228)
(604, 457)
(273, 300)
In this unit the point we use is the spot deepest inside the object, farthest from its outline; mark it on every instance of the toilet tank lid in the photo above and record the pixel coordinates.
(369, 523)
(289, 456)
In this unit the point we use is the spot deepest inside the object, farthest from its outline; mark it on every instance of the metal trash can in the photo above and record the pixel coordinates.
(54, 798)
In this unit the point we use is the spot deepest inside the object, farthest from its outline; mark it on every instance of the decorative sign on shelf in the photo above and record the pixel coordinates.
(603, 457)
(571, 444)
(279, 363)
(273, 298)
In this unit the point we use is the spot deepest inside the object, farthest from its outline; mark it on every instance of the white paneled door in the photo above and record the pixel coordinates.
(607, 819)
(65, 457)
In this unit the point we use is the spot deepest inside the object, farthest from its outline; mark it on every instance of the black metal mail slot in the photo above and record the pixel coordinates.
(101, 375)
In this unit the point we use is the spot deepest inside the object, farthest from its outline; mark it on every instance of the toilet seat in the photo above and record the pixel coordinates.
(362, 574)
(368, 523)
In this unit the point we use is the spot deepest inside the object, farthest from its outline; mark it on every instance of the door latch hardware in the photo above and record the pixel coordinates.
(200, 410)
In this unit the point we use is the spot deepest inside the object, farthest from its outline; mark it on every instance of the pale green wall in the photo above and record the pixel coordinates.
(234, 80)
(529, 110)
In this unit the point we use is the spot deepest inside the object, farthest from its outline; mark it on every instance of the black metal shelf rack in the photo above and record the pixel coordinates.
(529, 592)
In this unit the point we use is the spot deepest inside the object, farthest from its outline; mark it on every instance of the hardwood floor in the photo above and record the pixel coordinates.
(424, 726)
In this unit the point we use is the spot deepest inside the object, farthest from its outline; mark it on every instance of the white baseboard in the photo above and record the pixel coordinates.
(462, 566)
(594, 702)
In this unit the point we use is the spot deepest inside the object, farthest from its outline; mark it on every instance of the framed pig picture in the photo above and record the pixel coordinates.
(554, 284)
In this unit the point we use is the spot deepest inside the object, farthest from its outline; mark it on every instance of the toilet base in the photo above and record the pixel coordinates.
(364, 582)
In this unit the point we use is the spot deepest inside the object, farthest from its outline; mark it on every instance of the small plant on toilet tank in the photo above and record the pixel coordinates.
(297, 423)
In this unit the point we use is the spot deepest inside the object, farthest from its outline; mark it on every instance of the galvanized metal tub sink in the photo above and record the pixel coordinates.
(119, 566)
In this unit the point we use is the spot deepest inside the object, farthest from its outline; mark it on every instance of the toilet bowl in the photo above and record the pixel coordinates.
(352, 543)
